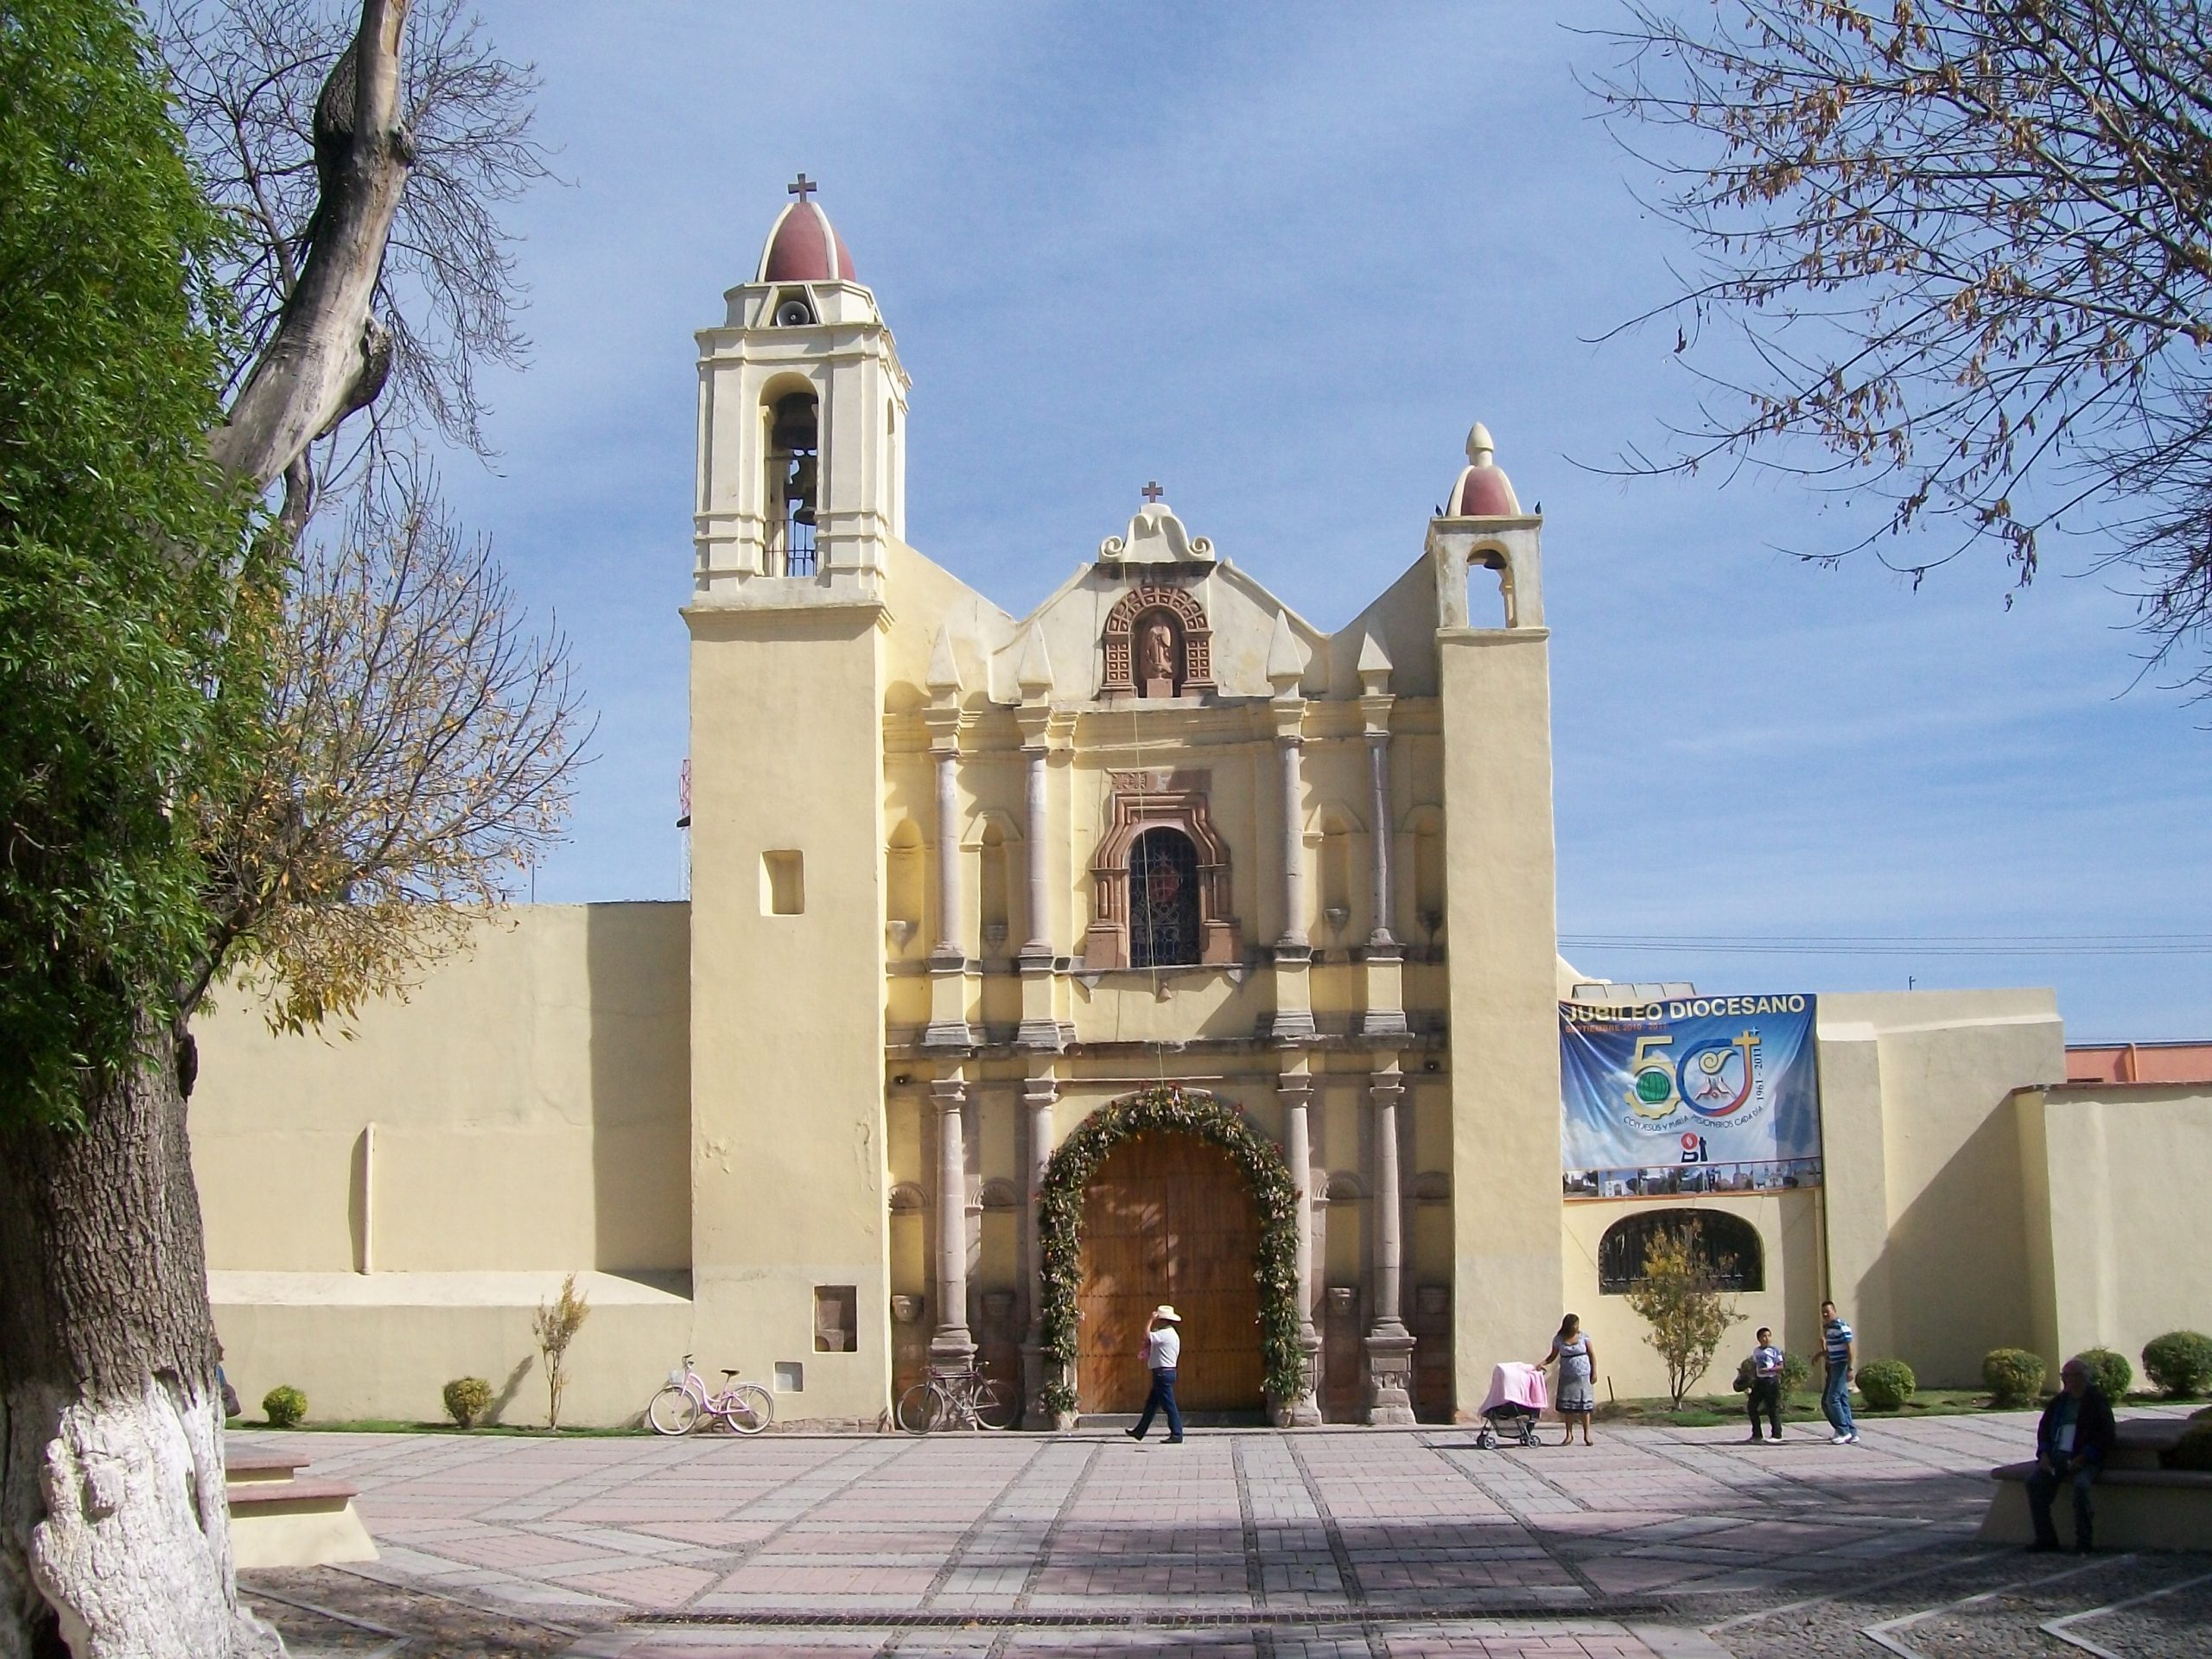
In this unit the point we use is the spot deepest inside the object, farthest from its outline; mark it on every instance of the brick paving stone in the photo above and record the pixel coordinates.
(1402, 1535)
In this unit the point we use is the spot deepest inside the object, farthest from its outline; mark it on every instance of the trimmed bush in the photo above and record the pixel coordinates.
(1887, 1383)
(2193, 1450)
(467, 1398)
(284, 1406)
(2111, 1372)
(1796, 1372)
(2179, 1363)
(2013, 1377)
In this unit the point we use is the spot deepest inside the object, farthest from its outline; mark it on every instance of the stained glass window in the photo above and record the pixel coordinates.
(1163, 899)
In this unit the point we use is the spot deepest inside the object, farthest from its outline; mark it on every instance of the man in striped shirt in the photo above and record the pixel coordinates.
(1836, 1398)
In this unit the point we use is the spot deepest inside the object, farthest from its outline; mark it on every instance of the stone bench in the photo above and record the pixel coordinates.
(2139, 1504)
(277, 1519)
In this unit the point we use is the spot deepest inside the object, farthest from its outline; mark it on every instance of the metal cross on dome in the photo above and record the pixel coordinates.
(801, 187)
(1151, 492)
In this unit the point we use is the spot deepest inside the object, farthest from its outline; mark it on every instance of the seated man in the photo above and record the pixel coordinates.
(2072, 1442)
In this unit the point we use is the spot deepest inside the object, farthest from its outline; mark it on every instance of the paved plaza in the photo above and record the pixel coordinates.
(1654, 1542)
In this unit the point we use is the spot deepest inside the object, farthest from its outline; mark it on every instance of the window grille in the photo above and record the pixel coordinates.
(1728, 1243)
(1163, 900)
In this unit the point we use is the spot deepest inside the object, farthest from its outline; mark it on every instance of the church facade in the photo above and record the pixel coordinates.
(1157, 946)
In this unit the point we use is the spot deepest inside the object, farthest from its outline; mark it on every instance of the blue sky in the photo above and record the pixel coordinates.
(1280, 259)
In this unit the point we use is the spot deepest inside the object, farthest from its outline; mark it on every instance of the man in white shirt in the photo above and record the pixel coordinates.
(1163, 1346)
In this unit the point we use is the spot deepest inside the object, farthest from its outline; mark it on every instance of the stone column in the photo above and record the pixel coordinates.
(1296, 1088)
(1390, 1344)
(1378, 774)
(1383, 976)
(1038, 1096)
(1289, 749)
(947, 856)
(1040, 874)
(951, 1349)
(947, 962)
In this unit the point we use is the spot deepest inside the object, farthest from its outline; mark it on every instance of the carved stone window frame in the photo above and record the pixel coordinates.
(1191, 625)
(1152, 800)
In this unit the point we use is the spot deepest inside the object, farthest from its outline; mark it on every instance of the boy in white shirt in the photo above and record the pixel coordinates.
(1163, 1346)
(1766, 1383)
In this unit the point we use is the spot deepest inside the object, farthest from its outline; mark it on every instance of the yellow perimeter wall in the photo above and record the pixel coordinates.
(384, 1212)
(2115, 1176)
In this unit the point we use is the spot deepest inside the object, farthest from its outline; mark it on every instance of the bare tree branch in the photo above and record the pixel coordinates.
(1966, 246)
(424, 743)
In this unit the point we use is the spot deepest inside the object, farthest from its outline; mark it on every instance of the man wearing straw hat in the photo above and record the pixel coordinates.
(1163, 1346)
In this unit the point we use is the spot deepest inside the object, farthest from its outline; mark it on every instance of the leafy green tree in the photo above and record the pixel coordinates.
(166, 800)
(1679, 1296)
(114, 546)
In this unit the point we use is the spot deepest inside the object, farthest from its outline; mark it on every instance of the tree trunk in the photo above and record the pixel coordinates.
(114, 1528)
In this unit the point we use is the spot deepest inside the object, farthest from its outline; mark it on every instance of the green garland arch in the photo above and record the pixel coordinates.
(1191, 1111)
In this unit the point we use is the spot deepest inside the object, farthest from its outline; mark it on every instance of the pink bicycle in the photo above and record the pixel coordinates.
(743, 1407)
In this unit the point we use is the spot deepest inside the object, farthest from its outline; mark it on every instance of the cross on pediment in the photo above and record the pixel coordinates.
(1151, 492)
(801, 187)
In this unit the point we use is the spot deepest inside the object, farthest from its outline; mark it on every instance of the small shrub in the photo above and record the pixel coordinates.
(2193, 1451)
(1887, 1383)
(2013, 1377)
(555, 1325)
(1796, 1372)
(284, 1406)
(2179, 1363)
(2111, 1372)
(467, 1398)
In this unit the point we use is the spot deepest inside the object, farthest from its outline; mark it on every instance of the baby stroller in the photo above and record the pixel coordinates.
(1516, 1400)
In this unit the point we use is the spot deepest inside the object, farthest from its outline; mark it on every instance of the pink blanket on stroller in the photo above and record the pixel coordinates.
(1512, 1384)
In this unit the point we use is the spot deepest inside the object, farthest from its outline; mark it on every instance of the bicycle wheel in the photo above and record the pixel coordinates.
(921, 1408)
(674, 1411)
(996, 1405)
(747, 1409)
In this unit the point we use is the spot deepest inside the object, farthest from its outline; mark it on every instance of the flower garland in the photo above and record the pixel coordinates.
(1059, 1205)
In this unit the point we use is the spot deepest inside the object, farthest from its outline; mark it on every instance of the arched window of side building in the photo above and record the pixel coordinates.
(1728, 1241)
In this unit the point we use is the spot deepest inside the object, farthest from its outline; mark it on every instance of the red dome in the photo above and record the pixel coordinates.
(1484, 494)
(805, 247)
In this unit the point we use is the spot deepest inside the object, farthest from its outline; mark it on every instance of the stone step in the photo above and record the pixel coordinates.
(249, 1464)
(280, 1519)
(271, 1497)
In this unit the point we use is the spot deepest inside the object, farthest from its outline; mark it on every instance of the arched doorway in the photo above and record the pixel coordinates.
(1168, 1217)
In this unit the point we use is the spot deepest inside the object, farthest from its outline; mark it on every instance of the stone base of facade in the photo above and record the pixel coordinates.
(1390, 1376)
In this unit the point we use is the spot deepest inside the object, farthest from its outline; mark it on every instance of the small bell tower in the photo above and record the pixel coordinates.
(802, 426)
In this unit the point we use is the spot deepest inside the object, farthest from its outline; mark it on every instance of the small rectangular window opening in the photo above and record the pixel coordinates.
(790, 1377)
(783, 884)
(835, 1319)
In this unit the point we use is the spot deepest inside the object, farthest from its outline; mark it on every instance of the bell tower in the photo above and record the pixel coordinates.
(802, 432)
(802, 426)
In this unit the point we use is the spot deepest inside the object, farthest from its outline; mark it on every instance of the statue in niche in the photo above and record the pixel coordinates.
(1158, 667)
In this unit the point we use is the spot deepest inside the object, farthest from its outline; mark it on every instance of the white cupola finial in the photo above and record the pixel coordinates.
(1483, 491)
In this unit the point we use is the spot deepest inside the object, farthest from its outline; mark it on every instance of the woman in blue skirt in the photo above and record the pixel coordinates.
(1577, 1394)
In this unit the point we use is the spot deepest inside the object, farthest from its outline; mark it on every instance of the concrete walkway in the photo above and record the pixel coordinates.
(1237, 1541)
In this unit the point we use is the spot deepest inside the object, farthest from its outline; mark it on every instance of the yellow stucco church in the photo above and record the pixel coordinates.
(1160, 945)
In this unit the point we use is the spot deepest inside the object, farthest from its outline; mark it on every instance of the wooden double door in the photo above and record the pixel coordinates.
(1169, 1217)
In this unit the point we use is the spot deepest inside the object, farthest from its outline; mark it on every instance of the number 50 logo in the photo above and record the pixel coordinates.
(1652, 1092)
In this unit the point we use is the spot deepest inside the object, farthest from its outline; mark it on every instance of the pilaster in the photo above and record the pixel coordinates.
(1039, 1091)
(951, 1348)
(1390, 1344)
(948, 960)
(1296, 1088)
